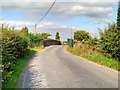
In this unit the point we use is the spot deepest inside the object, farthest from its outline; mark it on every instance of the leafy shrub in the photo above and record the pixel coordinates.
(94, 43)
(14, 46)
(35, 40)
(110, 42)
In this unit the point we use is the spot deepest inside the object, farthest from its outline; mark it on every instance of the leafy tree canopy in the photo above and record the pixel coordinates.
(24, 30)
(57, 37)
(81, 35)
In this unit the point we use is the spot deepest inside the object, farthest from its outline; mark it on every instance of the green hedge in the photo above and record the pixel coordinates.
(110, 41)
(35, 40)
(14, 46)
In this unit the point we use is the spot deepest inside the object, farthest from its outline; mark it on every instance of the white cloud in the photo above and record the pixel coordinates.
(99, 20)
(42, 26)
(18, 23)
(64, 10)
(59, 0)
(53, 26)
(98, 11)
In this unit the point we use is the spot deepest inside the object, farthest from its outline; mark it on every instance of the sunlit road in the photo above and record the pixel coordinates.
(55, 68)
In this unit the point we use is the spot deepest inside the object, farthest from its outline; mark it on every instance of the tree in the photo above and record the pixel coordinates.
(43, 35)
(24, 30)
(118, 16)
(81, 35)
(110, 42)
(118, 34)
(57, 37)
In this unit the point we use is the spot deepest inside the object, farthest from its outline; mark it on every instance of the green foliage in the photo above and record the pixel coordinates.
(81, 35)
(57, 37)
(94, 43)
(24, 31)
(14, 46)
(118, 17)
(34, 40)
(19, 66)
(37, 39)
(43, 35)
(110, 41)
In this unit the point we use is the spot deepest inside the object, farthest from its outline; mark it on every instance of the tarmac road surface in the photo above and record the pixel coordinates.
(55, 68)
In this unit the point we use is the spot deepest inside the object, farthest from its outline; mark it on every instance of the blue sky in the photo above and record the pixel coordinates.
(78, 15)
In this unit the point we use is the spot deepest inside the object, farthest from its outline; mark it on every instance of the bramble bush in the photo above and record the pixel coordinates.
(14, 46)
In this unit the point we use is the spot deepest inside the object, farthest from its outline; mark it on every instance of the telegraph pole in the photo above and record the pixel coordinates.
(71, 31)
(35, 28)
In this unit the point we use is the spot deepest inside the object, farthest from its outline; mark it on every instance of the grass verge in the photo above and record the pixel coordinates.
(86, 52)
(19, 66)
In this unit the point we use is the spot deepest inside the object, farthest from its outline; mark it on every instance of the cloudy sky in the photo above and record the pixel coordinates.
(64, 17)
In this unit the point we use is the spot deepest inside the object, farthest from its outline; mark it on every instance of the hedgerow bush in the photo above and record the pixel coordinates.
(110, 42)
(14, 46)
(35, 40)
(94, 43)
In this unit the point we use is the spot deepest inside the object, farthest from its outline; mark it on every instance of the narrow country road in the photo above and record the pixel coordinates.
(55, 68)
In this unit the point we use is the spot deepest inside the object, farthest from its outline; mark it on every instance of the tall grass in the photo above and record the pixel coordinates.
(85, 51)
